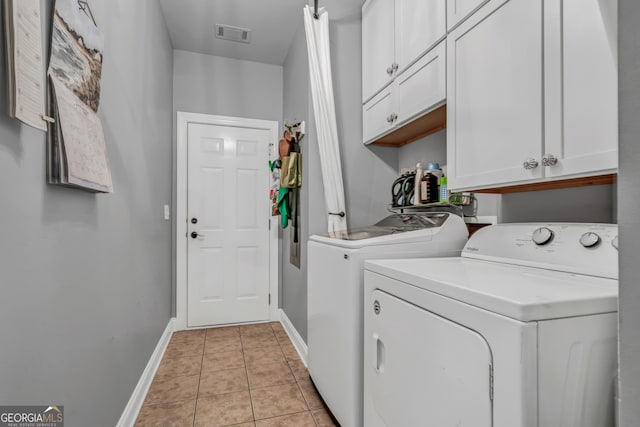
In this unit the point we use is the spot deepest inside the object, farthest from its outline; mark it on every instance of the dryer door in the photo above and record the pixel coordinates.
(422, 369)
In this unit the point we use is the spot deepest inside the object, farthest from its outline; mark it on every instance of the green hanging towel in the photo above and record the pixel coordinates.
(283, 206)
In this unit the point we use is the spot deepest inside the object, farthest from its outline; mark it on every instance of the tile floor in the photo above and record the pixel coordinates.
(244, 376)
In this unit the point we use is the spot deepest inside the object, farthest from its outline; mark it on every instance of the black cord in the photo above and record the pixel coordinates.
(315, 10)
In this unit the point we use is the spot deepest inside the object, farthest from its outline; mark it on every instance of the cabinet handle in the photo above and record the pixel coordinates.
(549, 160)
(530, 164)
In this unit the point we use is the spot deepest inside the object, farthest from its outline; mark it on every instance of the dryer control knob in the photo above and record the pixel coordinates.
(614, 242)
(589, 240)
(542, 236)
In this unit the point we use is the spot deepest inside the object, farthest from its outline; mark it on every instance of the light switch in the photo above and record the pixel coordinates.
(167, 212)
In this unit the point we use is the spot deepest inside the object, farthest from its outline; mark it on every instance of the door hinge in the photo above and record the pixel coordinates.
(491, 382)
(269, 299)
(269, 223)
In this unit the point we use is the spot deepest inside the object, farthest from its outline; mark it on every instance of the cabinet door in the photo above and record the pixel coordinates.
(377, 45)
(421, 88)
(494, 95)
(458, 10)
(420, 25)
(581, 86)
(376, 115)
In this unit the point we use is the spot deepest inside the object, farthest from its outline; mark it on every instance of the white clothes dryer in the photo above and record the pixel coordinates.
(335, 295)
(520, 331)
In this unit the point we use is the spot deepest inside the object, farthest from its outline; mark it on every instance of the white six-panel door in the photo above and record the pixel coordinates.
(227, 224)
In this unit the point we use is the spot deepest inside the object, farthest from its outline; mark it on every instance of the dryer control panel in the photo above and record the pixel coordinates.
(590, 249)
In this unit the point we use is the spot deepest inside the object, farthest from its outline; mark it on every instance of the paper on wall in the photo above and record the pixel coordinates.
(25, 64)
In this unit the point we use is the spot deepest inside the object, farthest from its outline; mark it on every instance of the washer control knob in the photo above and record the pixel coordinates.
(589, 240)
(542, 236)
(614, 242)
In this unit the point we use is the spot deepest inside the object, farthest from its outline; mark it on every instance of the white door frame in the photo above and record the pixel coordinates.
(181, 207)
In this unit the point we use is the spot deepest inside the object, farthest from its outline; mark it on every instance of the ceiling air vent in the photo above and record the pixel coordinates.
(236, 34)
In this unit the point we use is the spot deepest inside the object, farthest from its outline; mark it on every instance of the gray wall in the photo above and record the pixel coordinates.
(86, 279)
(629, 210)
(581, 204)
(430, 149)
(297, 98)
(228, 87)
(367, 171)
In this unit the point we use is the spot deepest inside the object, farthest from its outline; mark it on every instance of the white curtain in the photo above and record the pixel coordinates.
(317, 31)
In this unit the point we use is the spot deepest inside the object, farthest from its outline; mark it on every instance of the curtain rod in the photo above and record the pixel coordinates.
(315, 10)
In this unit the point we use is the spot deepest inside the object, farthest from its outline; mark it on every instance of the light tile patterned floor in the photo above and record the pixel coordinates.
(243, 376)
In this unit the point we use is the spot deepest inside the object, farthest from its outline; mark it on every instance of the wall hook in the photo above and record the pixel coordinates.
(84, 6)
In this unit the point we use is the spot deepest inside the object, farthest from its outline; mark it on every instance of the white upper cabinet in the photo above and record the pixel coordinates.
(395, 34)
(422, 87)
(377, 115)
(532, 93)
(378, 46)
(458, 10)
(419, 89)
(494, 95)
(581, 87)
(419, 25)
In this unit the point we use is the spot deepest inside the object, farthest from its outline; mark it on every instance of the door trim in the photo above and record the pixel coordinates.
(180, 241)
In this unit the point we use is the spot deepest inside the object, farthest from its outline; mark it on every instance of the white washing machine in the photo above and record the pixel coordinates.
(520, 331)
(335, 295)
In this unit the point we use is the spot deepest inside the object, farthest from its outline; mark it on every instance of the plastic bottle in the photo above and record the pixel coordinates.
(444, 190)
(416, 187)
(429, 188)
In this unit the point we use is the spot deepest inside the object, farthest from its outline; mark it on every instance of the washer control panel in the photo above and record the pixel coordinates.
(581, 248)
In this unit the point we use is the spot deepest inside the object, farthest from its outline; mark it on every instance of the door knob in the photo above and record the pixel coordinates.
(194, 220)
(195, 235)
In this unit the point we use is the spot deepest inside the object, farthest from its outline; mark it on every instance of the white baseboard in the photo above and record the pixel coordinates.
(130, 413)
(294, 336)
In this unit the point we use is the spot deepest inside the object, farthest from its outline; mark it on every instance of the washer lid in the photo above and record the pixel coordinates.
(522, 293)
(399, 228)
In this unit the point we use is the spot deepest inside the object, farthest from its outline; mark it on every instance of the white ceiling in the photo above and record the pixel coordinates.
(273, 23)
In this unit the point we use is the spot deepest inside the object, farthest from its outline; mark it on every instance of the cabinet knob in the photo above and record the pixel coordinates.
(394, 66)
(530, 164)
(549, 160)
(394, 117)
(390, 70)
(390, 118)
